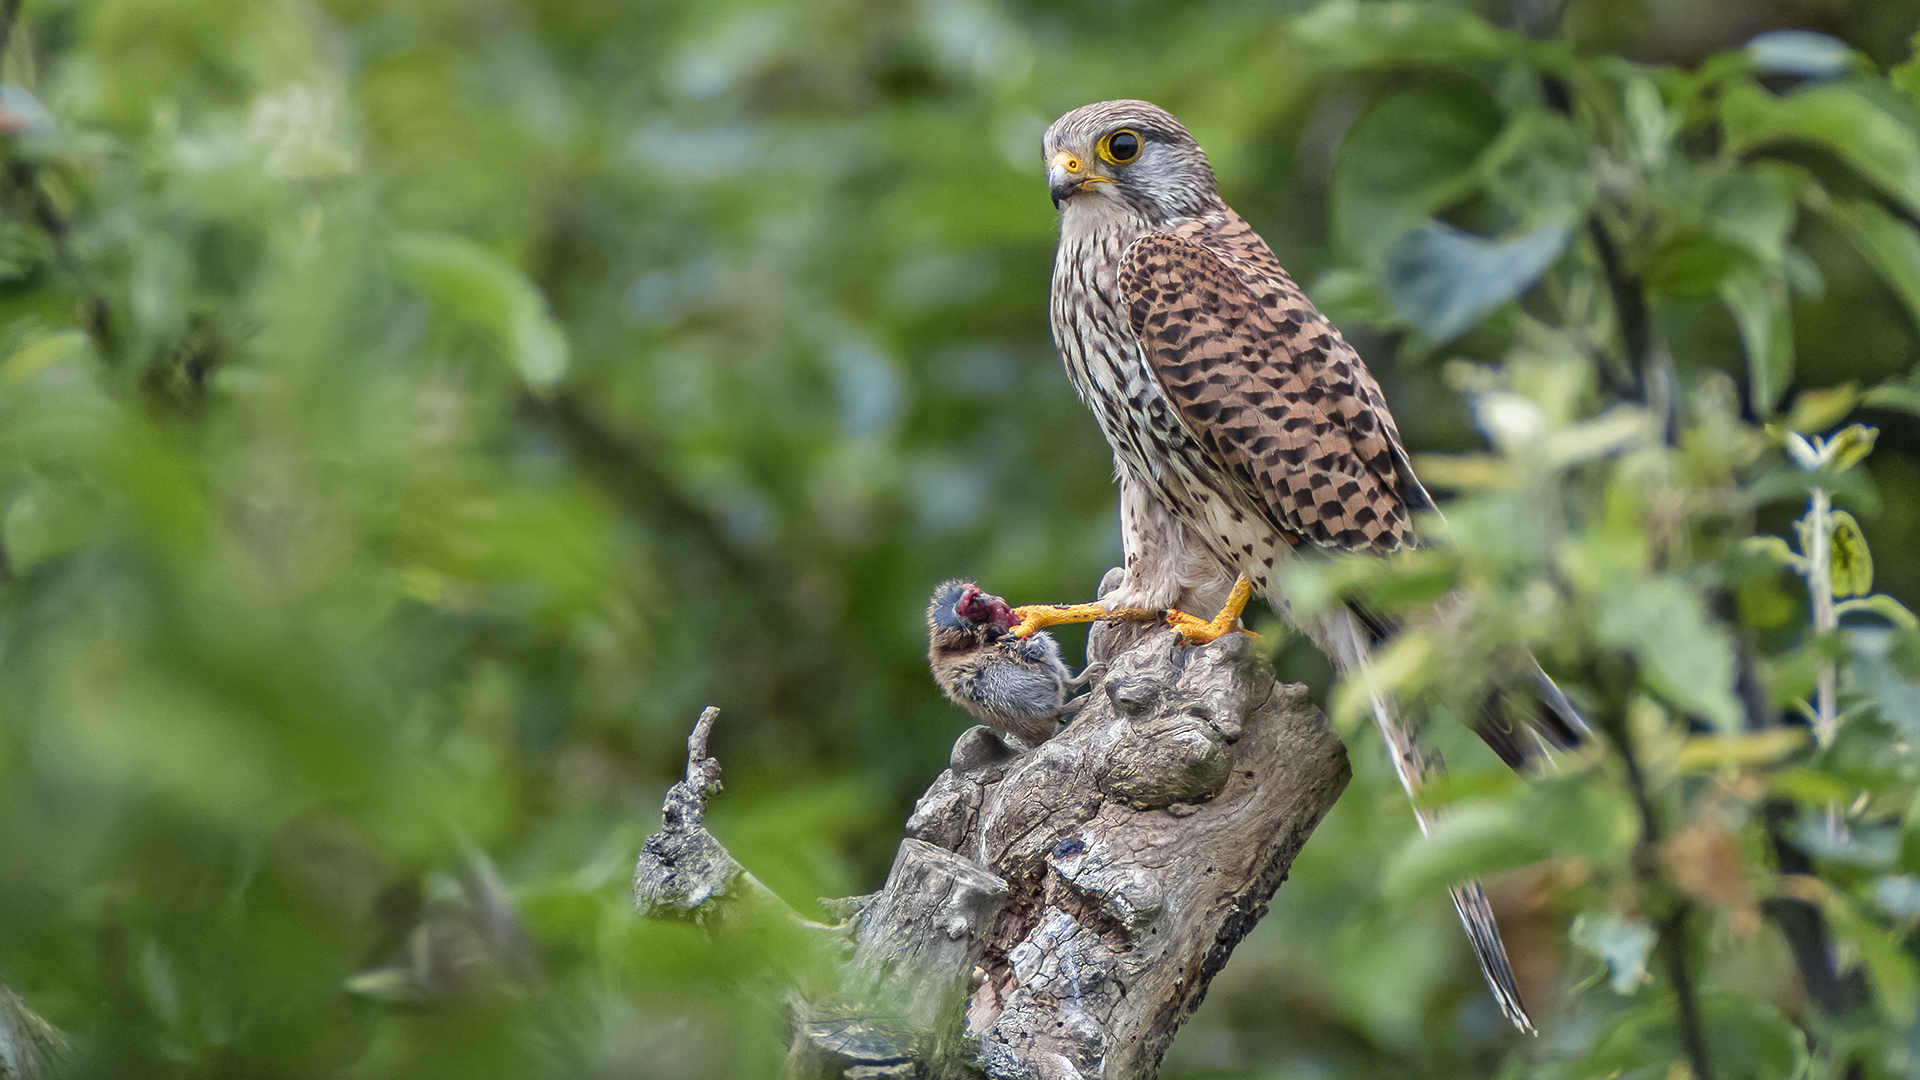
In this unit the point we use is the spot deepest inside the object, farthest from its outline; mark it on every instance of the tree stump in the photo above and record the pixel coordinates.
(1059, 913)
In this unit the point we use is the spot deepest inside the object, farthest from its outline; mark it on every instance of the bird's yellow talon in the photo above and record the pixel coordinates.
(1197, 631)
(1039, 616)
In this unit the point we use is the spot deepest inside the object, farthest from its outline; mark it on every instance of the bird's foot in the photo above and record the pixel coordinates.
(1195, 630)
(1040, 616)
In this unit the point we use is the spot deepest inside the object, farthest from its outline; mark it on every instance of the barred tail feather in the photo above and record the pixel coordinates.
(1470, 900)
(1346, 645)
(1557, 719)
(1521, 716)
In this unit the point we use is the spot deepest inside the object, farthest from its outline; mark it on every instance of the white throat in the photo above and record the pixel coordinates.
(1096, 213)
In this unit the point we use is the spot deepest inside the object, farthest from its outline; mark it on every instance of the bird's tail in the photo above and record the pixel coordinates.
(1476, 914)
(1522, 716)
(1415, 766)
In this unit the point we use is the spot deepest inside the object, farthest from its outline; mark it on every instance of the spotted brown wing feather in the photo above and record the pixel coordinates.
(1272, 392)
(1283, 405)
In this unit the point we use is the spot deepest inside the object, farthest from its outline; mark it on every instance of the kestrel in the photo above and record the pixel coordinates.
(1018, 686)
(1245, 430)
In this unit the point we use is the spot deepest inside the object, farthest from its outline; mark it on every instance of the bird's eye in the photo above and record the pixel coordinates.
(1120, 147)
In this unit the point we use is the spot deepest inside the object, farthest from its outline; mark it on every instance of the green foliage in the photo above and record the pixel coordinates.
(411, 413)
(1443, 280)
(1630, 545)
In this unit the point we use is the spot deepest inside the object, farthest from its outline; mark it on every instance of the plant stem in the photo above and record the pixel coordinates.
(1672, 929)
(1820, 586)
(1819, 545)
(1673, 944)
(9, 14)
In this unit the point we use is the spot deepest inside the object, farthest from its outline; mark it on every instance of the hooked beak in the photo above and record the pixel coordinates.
(1067, 174)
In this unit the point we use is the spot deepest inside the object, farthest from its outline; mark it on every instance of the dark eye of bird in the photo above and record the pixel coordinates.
(1123, 146)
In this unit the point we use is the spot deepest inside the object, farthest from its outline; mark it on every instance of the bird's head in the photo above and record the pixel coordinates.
(963, 607)
(1127, 156)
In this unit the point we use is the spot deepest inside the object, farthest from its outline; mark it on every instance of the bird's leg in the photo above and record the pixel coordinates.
(1192, 628)
(1039, 616)
(1198, 631)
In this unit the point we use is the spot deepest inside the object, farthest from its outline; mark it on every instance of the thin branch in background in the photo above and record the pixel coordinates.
(9, 14)
(633, 476)
(22, 180)
(1817, 456)
(1804, 926)
(1647, 371)
(1672, 929)
(1646, 374)
(1826, 713)
(1826, 622)
(1673, 949)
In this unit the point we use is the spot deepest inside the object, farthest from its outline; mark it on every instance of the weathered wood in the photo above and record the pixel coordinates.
(682, 867)
(685, 873)
(30, 1048)
(1077, 899)
(1139, 846)
(918, 943)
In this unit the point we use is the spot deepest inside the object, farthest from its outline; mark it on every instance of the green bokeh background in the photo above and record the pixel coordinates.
(420, 409)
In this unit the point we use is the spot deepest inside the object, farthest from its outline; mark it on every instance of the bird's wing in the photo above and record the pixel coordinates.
(1276, 397)
(1283, 406)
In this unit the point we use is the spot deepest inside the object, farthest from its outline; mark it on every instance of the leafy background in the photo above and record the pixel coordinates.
(413, 411)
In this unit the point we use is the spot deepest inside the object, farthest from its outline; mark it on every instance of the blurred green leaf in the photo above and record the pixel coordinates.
(1890, 970)
(1623, 943)
(1776, 549)
(1821, 408)
(1693, 264)
(1879, 675)
(1836, 118)
(1468, 840)
(1891, 246)
(1756, 208)
(43, 352)
(1443, 280)
(1746, 1039)
(1758, 303)
(1904, 396)
(1882, 605)
(1910, 835)
(1852, 563)
(1403, 161)
(478, 287)
(1399, 33)
(1755, 748)
(1905, 77)
(1473, 837)
(1684, 656)
(1810, 786)
(1848, 447)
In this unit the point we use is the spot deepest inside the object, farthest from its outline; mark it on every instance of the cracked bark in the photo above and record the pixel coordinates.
(1057, 913)
(30, 1048)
